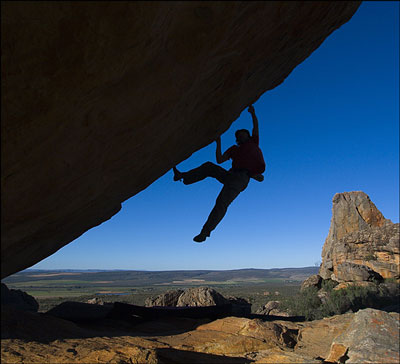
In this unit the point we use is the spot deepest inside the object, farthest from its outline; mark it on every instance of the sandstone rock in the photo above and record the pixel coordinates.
(350, 272)
(359, 235)
(98, 97)
(168, 299)
(272, 308)
(271, 333)
(36, 338)
(323, 295)
(95, 301)
(264, 310)
(312, 281)
(18, 299)
(201, 296)
(372, 337)
(315, 337)
(275, 356)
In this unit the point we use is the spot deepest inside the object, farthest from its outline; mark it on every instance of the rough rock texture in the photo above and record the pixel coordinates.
(350, 272)
(312, 281)
(201, 296)
(37, 338)
(192, 297)
(18, 299)
(272, 308)
(372, 337)
(360, 239)
(97, 98)
(167, 299)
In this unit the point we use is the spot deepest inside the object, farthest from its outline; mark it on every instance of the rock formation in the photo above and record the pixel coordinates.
(272, 308)
(314, 280)
(18, 299)
(200, 297)
(167, 299)
(97, 98)
(362, 342)
(366, 336)
(361, 245)
(191, 297)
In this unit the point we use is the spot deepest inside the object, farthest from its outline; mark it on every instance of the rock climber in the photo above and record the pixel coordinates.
(247, 162)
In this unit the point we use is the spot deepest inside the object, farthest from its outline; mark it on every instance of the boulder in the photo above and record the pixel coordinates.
(312, 281)
(201, 296)
(371, 337)
(18, 299)
(100, 99)
(272, 308)
(95, 301)
(167, 299)
(361, 243)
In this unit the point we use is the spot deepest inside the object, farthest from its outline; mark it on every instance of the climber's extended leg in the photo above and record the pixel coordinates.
(237, 182)
(207, 169)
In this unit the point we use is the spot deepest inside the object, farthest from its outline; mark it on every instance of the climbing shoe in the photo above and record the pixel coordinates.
(200, 238)
(177, 175)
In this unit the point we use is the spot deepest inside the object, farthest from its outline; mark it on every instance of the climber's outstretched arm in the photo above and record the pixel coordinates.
(255, 120)
(221, 158)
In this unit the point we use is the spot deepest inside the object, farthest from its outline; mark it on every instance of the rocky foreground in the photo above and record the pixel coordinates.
(367, 336)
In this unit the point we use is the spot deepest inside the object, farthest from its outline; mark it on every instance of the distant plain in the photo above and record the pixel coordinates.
(258, 286)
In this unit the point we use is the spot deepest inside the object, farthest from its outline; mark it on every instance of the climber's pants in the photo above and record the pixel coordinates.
(234, 181)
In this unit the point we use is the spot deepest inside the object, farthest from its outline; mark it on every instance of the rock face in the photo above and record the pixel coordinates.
(97, 98)
(167, 299)
(192, 297)
(361, 244)
(18, 299)
(272, 308)
(201, 296)
(372, 337)
(368, 336)
(312, 281)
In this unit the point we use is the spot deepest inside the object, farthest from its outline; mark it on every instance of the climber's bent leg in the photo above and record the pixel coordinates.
(207, 169)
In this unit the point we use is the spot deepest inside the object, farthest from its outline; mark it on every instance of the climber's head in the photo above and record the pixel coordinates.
(242, 136)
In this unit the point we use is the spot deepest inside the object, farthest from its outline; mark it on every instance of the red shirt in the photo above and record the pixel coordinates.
(247, 156)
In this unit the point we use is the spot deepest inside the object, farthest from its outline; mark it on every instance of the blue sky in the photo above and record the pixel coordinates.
(332, 126)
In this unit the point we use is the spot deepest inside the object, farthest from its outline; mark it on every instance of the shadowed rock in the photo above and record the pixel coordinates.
(18, 299)
(79, 311)
(99, 99)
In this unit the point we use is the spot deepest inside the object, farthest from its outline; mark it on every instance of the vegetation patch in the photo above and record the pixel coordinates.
(315, 304)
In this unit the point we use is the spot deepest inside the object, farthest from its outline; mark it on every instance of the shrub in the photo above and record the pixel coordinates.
(308, 304)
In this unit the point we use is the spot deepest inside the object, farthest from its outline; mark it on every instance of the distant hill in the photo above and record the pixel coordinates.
(147, 278)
